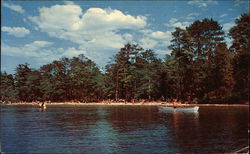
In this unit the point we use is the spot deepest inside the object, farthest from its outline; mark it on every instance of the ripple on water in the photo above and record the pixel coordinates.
(121, 129)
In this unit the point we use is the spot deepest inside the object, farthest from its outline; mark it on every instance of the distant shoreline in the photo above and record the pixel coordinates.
(118, 103)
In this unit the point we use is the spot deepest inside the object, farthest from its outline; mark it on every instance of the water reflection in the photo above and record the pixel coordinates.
(103, 133)
(129, 118)
(219, 128)
(41, 109)
(139, 129)
(74, 119)
(184, 130)
(121, 129)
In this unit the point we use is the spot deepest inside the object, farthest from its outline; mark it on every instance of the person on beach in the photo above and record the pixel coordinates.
(42, 105)
(175, 103)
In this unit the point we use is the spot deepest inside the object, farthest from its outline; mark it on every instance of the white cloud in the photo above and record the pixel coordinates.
(192, 16)
(160, 34)
(202, 3)
(239, 2)
(38, 44)
(147, 43)
(223, 15)
(181, 24)
(16, 31)
(27, 50)
(58, 19)
(167, 42)
(68, 2)
(3, 68)
(13, 7)
(173, 22)
(162, 52)
(73, 52)
(71, 23)
(156, 40)
(128, 37)
(228, 41)
(40, 51)
(228, 26)
(94, 30)
(112, 19)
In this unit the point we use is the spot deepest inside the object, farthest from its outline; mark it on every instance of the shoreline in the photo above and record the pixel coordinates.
(119, 104)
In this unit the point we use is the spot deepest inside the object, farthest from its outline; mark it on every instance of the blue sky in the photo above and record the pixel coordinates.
(38, 32)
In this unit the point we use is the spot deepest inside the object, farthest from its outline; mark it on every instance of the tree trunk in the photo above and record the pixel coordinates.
(149, 89)
(116, 88)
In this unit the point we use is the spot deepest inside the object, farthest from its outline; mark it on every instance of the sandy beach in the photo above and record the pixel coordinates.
(121, 103)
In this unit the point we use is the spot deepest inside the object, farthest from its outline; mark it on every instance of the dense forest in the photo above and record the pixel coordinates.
(200, 69)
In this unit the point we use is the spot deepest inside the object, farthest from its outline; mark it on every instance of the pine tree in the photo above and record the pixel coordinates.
(221, 81)
(183, 56)
(241, 46)
(7, 88)
(205, 36)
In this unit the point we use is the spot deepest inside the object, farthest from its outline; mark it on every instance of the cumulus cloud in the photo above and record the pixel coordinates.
(71, 23)
(228, 41)
(163, 52)
(16, 31)
(161, 40)
(148, 43)
(112, 19)
(228, 26)
(128, 37)
(27, 50)
(167, 42)
(239, 2)
(41, 51)
(68, 2)
(13, 7)
(192, 16)
(72, 52)
(202, 3)
(95, 30)
(38, 44)
(3, 68)
(160, 34)
(157, 40)
(173, 22)
(223, 15)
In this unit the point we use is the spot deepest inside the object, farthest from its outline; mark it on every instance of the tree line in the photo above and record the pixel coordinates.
(200, 69)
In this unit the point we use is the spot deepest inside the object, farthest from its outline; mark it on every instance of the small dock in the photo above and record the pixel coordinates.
(242, 150)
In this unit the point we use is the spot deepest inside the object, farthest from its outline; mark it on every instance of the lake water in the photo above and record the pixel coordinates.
(121, 129)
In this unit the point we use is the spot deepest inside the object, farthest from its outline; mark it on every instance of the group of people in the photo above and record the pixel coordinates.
(42, 105)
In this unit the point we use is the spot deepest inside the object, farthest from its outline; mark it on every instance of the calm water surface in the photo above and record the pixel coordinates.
(121, 129)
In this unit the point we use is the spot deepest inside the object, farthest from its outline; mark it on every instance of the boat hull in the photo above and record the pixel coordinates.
(194, 109)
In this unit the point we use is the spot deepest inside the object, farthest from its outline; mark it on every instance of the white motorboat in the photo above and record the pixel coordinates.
(193, 109)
